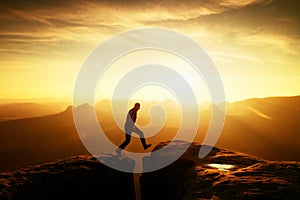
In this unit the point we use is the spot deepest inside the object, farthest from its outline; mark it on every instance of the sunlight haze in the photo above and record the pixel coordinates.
(254, 44)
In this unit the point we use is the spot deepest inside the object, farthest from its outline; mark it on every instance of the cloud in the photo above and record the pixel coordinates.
(22, 37)
(239, 3)
(235, 57)
(229, 23)
(260, 114)
(244, 37)
(153, 9)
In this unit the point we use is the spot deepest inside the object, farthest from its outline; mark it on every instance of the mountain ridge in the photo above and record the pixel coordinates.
(40, 139)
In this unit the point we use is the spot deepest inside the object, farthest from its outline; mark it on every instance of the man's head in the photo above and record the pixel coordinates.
(137, 106)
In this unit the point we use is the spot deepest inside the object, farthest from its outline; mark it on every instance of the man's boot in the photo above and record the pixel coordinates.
(146, 146)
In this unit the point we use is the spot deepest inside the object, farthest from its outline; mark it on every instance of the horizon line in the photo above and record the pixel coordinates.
(70, 100)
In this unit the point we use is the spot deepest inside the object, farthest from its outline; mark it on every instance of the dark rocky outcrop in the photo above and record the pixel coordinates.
(222, 174)
(79, 177)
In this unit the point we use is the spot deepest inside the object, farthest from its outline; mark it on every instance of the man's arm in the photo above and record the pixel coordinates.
(132, 115)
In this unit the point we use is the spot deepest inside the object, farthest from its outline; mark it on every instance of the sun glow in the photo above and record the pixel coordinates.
(151, 92)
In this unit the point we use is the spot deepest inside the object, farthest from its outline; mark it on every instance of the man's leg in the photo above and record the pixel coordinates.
(126, 142)
(142, 138)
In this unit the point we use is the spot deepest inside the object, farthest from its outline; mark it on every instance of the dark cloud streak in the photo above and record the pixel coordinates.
(277, 17)
(36, 4)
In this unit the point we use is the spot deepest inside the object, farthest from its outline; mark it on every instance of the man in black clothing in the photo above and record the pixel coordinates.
(130, 127)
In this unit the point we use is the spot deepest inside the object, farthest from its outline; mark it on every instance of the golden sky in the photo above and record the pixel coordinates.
(254, 43)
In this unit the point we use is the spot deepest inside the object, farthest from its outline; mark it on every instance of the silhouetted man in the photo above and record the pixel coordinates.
(130, 127)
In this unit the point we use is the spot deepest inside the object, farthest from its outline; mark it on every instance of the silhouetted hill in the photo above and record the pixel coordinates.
(264, 127)
(9, 111)
(40, 139)
(267, 127)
